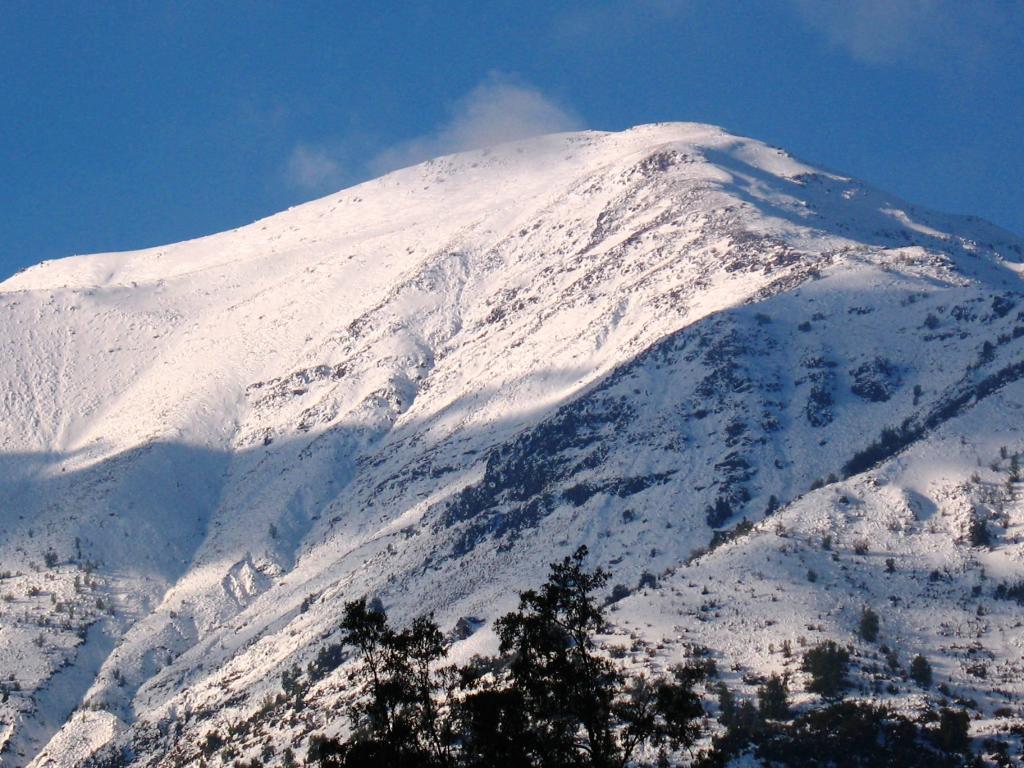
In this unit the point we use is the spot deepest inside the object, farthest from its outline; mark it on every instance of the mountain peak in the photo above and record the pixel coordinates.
(665, 157)
(688, 350)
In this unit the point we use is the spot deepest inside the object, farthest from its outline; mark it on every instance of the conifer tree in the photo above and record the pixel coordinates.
(773, 699)
(921, 671)
(551, 700)
(868, 628)
(827, 665)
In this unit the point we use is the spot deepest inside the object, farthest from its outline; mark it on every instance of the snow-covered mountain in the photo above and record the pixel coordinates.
(429, 386)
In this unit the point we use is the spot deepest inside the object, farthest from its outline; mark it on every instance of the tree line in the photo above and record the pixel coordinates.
(553, 699)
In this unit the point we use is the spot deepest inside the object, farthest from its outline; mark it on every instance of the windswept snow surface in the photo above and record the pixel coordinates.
(429, 386)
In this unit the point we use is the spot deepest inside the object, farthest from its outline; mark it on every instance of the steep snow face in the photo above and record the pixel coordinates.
(429, 386)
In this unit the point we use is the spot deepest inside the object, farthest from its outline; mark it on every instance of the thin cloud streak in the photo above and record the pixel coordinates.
(925, 33)
(314, 169)
(498, 110)
(587, 24)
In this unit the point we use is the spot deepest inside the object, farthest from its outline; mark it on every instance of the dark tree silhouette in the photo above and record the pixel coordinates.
(551, 700)
(773, 699)
(868, 627)
(921, 671)
(396, 718)
(827, 664)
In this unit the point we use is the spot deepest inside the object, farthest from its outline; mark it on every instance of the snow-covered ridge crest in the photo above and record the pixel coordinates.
(428, 386)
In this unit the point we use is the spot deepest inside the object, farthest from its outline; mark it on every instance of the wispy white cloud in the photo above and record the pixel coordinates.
(921, 32)
(499, 109)
(314, 168)
(596, 21)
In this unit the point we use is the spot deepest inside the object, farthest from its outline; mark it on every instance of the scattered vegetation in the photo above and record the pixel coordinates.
(848, 734)
(553, 698)
(550, 699)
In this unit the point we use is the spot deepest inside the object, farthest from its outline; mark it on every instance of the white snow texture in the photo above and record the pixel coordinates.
(429, 386)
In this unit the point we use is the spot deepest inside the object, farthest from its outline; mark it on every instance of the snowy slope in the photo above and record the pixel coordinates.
(429, 386)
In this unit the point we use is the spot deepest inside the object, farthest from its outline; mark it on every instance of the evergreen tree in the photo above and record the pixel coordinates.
(493, 728)
(857, 735)
(566, 687)
(868, 627)
(396, 718)
(921, 671)
(726, 705)
(952, 733)
(552, 700)
(827, 665)
(773, 699)
(579, 708)
(978, 532)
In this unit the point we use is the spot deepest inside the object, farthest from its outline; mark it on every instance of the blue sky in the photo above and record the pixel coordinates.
(124, 125)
